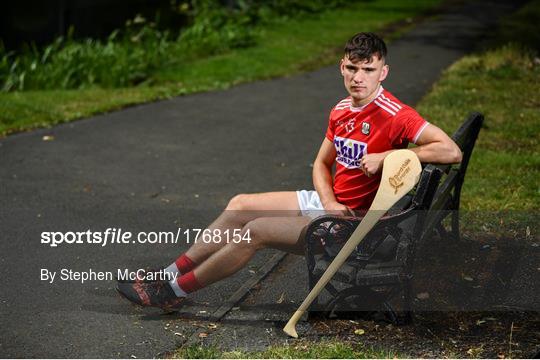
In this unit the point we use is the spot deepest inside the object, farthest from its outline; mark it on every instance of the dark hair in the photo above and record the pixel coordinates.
(364, 45)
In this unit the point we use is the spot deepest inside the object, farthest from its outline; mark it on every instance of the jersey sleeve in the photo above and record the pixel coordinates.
(406, 127)
(330, 129)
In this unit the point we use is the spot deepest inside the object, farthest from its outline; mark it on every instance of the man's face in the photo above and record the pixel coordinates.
(362, 78)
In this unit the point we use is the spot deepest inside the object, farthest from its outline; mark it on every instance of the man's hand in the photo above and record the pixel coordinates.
(372, 163)
(337, 208)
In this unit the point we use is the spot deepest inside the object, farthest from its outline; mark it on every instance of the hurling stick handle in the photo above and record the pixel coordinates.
(361, 231)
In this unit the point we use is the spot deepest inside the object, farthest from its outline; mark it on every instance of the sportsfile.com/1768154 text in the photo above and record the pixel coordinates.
(119, 236)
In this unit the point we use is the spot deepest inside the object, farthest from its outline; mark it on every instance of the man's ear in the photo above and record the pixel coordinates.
(342, 66)
(384, 73)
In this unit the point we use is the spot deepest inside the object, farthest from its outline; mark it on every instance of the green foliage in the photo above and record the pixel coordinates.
(216, 29)
(267, 10)
(131, 55)
(124, 58)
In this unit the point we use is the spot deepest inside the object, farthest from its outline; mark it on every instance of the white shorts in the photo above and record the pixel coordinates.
(310, 203)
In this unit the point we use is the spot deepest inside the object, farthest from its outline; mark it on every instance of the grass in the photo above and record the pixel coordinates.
(502, 84)
(284, 47)
(306, 350)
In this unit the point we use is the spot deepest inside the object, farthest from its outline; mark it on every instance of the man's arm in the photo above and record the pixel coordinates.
(434, 146)
(322, 176)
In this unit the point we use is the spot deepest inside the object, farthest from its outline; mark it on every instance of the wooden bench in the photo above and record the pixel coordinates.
(377, 277)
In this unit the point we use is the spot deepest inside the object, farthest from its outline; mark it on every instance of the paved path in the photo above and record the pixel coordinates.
(165, 165)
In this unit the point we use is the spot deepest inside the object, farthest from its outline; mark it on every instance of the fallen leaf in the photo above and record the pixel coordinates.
(467, 278)
(177, 334)
(212, 326)
(281, 298)
(422, 296)
(359, 331)
(203, 335)
(48, 138)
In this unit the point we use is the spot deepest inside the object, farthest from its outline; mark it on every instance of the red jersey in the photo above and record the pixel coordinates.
(383, 124)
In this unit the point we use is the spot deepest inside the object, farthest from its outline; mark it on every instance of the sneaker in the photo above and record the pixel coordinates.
(156, 294)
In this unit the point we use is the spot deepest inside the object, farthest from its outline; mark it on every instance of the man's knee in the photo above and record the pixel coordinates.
(254, 234)
(240, 202)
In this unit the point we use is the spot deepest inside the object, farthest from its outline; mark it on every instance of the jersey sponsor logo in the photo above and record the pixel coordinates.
(349, 152)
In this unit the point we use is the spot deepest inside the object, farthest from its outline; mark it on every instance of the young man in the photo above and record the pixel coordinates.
(363, 129)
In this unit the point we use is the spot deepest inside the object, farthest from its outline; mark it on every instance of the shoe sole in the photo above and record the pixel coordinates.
(165, 309)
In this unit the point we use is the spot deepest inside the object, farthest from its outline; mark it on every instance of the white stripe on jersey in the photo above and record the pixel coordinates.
(343, 104)
(390, 105)
(390, 101)
(420, 132)
(384, 107)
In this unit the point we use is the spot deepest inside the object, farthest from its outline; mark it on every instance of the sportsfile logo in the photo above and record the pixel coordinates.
(396, 181)
(349, 152)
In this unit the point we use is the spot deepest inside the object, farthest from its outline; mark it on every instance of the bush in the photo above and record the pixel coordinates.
(216, 29)
(66, 63)
(129, 56)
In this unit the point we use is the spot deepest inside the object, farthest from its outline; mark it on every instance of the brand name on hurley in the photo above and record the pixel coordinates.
(396, 181)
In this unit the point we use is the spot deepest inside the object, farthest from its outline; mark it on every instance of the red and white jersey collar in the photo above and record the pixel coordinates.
(360, 108)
